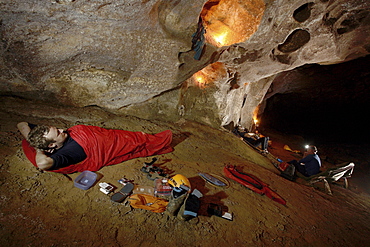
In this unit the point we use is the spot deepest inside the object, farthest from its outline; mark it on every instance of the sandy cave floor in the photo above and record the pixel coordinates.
(45, 209)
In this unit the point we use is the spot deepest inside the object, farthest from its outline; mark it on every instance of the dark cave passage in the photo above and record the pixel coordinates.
(322, 103)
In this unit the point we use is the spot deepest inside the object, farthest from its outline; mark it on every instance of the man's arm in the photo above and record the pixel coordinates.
(43, 161)
(24, 128)
(306, 159)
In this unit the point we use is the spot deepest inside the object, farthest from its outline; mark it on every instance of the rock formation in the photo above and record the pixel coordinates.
(138, 57)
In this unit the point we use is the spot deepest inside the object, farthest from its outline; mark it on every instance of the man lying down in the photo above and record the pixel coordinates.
(83, 147)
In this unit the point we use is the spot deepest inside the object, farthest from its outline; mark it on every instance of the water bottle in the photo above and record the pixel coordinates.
(146, 190)
(162, 188)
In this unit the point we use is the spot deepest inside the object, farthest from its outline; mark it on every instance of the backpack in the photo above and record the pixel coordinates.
(287, 170)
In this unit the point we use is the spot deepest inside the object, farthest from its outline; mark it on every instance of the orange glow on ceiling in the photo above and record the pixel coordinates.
(231, 21)
(208, 75)
(255, 113)
(200, 79)
(220, 36)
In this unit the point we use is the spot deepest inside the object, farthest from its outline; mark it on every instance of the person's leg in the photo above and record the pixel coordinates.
(300, 168)
(264, 143)
(258, 142)
(250, 140)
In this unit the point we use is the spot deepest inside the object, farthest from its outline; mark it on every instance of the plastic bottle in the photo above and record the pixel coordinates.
(146, 190)
(161, 187)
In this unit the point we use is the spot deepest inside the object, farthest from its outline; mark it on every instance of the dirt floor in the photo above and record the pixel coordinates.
(46, 209)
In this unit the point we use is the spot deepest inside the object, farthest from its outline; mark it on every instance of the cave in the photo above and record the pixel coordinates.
(295, 71)
(328, 105)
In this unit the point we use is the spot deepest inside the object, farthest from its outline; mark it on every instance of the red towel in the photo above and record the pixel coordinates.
(105, 147)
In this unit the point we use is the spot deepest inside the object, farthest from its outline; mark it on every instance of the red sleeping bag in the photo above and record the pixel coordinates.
(105, 147)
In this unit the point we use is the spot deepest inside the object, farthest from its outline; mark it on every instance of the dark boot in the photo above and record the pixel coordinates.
(191, 206)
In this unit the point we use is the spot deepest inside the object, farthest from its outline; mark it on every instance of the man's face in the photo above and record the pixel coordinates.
(310, 150)
(57, 135)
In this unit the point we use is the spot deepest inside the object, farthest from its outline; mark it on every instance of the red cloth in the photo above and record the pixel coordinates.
(104, 147)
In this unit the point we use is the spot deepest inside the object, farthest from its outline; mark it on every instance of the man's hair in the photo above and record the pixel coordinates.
(313, 148)
(37, 138)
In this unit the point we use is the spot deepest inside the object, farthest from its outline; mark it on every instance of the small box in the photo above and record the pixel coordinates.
(85, 180)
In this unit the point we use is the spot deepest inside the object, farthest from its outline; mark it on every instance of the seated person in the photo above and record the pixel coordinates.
(83, 147)
(310, 164)
(254, 138)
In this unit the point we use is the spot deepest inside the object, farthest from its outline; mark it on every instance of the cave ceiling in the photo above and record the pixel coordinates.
(209, 61)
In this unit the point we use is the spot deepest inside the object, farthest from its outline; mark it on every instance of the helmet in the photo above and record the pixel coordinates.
(178, 180)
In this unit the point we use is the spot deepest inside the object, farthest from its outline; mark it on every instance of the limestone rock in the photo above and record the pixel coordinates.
(135, 57)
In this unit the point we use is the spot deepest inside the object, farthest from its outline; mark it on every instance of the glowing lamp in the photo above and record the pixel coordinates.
(199, 79)
(220, 38)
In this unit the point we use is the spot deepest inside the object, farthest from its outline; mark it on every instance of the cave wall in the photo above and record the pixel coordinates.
(135, 57)
(92, 52)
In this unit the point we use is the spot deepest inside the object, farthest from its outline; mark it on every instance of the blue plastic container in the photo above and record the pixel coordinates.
(85, 180)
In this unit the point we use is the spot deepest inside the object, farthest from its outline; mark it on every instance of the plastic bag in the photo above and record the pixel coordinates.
(151, 203)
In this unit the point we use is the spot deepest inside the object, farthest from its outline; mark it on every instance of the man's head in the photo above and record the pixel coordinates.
(46, 137)
(312, 149)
